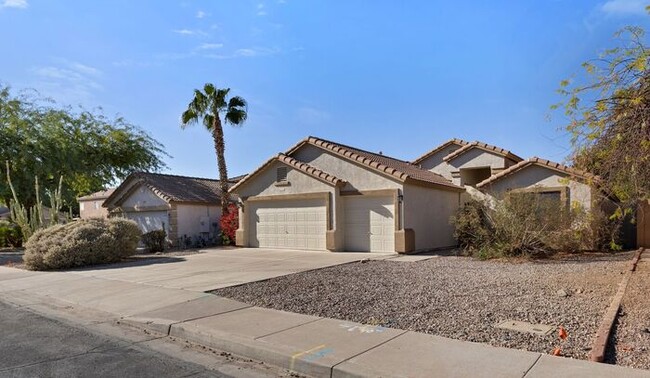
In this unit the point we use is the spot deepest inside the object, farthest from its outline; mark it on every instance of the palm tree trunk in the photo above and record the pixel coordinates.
(220, 148)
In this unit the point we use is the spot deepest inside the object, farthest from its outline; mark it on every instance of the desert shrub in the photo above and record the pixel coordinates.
(229, 224)
(472, 228)
(155, 241)
(10, 234)
(525, 224)
(80, 243)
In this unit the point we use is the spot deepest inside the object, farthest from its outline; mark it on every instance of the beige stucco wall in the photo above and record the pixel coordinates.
(537, 176)
(92, 209)
(264, 183)
(143, 197)
(358, 177)
(477, 158)
(428, 211)
(190, 216)
(435, 163)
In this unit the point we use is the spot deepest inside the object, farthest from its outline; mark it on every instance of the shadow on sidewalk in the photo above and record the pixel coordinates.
(131, 262)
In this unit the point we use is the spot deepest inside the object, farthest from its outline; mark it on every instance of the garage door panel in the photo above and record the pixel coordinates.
(289, 224)
(369, 224)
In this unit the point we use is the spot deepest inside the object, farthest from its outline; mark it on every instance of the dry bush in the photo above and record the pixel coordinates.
(81, 243)
(155, 241)
(528, 225)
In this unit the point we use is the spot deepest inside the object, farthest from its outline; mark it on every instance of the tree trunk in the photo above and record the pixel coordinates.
(220, 148)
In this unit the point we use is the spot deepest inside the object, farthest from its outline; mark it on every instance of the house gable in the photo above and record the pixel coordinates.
(434, 162)
(449, 146)
(264, 182)
(357, 176)
(478, 158)
(536, 177)
(140, 197)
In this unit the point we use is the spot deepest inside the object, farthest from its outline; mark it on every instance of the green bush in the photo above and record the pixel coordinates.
(80, 243)
(155, 241)
(525, 225)
(10, 235)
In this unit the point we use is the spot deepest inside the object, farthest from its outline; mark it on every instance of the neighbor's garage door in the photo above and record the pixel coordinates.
(299, 224)
(150, 220)
(369, 224)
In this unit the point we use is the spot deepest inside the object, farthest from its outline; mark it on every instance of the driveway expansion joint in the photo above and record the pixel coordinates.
(532, 366)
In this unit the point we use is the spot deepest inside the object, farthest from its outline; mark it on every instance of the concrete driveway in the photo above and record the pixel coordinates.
(218, 268)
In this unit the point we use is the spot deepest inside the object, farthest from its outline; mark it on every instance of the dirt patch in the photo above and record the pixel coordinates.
(457, 297)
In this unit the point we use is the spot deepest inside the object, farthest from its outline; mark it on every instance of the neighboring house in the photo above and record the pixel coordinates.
(5, 213)
(185, 207)
(91, 206)
(545, 178)
(322, 195)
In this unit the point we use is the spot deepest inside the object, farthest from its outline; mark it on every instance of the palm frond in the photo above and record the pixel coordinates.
(220, 98)
(209, 89)
(236, 116)
(208, 122)
(188, 117)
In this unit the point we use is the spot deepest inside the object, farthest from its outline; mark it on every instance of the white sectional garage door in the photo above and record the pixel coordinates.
(299, 224)
(150, 220)
(369, 224)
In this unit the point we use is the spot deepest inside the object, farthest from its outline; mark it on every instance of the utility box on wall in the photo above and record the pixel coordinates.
(205, 225)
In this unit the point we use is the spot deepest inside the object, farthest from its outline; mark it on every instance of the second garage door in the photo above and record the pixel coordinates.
(369, 224)
(150, 220)
(299, 224)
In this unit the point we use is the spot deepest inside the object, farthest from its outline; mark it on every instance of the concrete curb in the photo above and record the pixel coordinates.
(601, 339)
(323, 347)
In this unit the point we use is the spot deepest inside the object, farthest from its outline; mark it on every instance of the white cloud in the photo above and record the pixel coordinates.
(261, 11)
(184, 31)
(624, 7)
(201, 14)
(68, 81)
(210, 46)
(22, 4)
(246, 53)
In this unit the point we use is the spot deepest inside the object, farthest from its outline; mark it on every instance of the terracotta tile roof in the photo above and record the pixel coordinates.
(399, 169)
(456, 141)
(299, 165)
(483, 146)
(543, 163)
(172, 188)
(97, 195)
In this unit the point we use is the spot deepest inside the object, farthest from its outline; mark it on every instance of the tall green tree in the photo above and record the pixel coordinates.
(43, 140)
(207, 107)
(608, 113)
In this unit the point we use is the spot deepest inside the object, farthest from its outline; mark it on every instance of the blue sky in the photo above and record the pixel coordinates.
(392, 76)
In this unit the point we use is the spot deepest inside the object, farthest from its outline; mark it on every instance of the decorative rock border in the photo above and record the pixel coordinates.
(602, 336)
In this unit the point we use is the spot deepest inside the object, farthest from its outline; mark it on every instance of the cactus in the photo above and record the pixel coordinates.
(31, 219)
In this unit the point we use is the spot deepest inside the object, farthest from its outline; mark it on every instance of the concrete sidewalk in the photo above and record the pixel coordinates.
(306, 344)
(323, 347)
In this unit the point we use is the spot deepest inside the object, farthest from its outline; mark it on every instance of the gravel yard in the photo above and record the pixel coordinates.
(456, 297)
(631, 338)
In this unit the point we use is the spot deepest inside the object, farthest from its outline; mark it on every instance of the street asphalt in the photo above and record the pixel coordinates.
(35, 346)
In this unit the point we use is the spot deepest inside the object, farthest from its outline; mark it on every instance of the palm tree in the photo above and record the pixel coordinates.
(207, 107)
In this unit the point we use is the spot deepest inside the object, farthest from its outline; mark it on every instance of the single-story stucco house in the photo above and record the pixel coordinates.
(92, 205)
(187, 208)
(323, 195)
